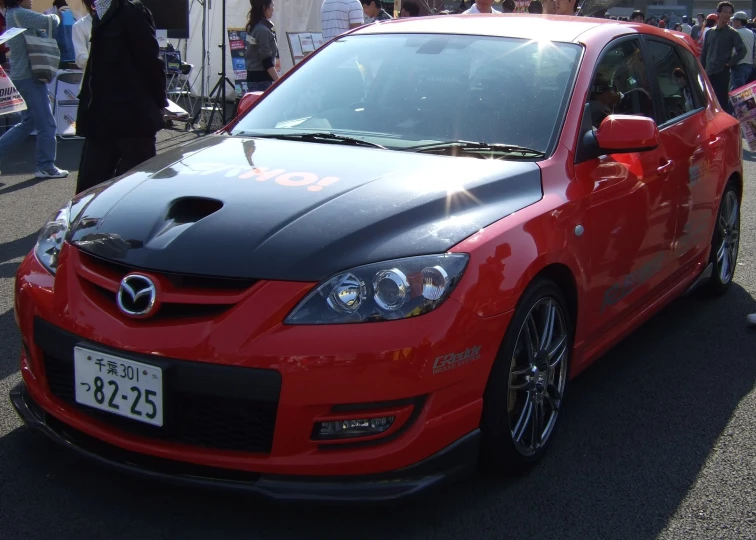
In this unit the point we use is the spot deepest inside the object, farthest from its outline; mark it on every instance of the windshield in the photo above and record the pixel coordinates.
(403, 91)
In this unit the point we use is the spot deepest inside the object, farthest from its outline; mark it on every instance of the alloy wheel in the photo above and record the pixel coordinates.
(728, 223)
(537, 376)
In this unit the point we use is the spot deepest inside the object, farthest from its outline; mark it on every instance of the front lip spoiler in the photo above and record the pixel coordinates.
(456, 460)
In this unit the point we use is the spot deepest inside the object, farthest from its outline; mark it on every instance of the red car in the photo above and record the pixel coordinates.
(387, 269)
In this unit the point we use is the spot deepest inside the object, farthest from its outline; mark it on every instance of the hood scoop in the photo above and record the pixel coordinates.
(180, 215)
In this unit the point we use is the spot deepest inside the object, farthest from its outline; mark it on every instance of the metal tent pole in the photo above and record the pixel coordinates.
(219, 90)
(203, 84)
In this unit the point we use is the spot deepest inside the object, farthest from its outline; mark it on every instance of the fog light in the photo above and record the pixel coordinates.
(344, 429)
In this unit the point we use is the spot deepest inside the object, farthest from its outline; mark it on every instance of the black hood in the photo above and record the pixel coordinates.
(270, 209)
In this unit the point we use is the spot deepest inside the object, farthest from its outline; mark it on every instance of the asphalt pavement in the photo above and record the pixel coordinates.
(659, 440)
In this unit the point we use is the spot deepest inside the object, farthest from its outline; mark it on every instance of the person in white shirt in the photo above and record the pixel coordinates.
(339, 16)
(742, 71)
(482, 6)
(685, 26)
(82, 33)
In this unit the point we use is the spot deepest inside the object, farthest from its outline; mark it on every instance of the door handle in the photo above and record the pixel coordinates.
(715, 142)
(666, 168)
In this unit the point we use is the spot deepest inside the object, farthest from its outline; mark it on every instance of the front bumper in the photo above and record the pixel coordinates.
(456, 460)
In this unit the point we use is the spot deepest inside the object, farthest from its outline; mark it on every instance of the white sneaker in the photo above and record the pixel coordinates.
(751, 319)
(54, 172)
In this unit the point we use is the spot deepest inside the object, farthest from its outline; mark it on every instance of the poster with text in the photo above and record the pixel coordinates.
(10, 99)
(317, 40)
(237, 43)
(307, 45)
(302, 44)
(743, 100)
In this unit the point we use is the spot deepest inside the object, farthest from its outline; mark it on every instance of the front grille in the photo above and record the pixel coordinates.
(166, 311)
(224, 293)
(217, 407)
(180, 281)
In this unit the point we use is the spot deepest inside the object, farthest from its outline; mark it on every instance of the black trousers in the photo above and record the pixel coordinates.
(104, 159)
(721, 84)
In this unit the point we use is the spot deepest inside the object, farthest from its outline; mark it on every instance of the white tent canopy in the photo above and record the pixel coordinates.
(289, 16)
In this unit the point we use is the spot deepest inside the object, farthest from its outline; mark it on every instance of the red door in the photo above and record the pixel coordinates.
(631, 216)
(694, 140)
(631, 220)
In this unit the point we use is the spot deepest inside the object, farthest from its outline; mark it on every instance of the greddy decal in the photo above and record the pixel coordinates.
(632, 281)
(262, 174)
(455, 360)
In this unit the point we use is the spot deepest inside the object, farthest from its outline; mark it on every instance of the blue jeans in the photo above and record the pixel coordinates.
(740, 74)
(38, 115)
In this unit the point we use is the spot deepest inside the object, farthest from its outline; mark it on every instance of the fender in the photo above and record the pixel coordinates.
(509, 254)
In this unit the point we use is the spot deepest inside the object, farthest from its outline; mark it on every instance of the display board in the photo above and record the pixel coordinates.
(302, 44)
(237, 42)
(744, 101)
(172, 61)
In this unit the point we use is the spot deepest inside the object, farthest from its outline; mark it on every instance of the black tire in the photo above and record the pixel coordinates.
(720, 281)
(500, 452)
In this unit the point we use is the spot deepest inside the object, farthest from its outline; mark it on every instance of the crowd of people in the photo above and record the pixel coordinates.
(733, 33)
(134, 86)
(123, 92)
(725, 39)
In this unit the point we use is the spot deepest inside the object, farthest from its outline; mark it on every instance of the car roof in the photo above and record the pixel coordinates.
(526, 26)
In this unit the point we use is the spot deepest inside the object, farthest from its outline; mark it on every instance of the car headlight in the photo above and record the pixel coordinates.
(51, 238)
(382, 291)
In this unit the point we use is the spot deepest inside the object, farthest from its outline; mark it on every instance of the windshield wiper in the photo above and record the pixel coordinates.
(472, 146)
(315, 137)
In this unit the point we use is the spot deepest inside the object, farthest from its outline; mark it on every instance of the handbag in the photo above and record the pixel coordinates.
(44, 54)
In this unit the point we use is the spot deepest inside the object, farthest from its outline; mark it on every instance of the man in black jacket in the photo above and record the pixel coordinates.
(123, 93)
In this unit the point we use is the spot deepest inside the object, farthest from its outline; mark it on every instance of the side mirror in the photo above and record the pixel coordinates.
(246, 102)
(619, 134)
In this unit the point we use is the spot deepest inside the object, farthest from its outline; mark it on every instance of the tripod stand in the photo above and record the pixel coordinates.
(217, 96)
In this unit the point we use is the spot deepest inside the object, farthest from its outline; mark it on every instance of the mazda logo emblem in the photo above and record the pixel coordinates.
(136, 295)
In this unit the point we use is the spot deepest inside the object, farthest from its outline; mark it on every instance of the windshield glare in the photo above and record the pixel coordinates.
(406, 90)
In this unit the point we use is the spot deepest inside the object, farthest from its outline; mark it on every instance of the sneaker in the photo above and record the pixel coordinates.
(52, 173)
(751, 319)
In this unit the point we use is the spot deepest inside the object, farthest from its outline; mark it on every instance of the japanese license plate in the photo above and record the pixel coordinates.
(119, 386)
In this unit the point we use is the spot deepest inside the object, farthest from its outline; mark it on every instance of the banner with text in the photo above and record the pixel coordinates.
(10, 98)
(744, 101)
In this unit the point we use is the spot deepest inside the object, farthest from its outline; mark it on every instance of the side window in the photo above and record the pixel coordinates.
(673, 81)
(695, 77)
(620, 84)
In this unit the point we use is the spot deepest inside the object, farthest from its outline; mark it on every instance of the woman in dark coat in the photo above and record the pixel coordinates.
(123, 93)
